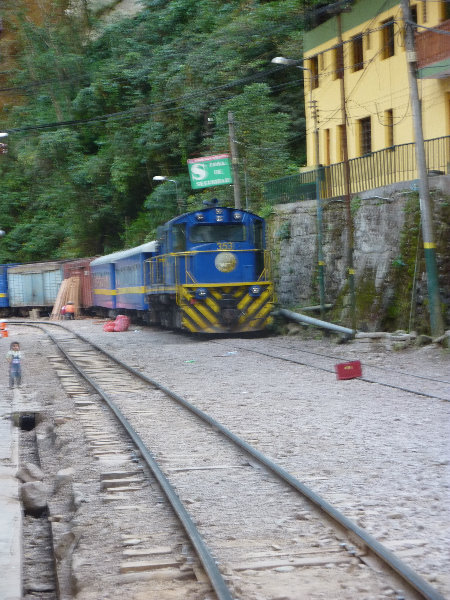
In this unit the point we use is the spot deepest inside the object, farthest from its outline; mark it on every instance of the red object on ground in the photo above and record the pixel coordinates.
(348, 370)
(121, 323)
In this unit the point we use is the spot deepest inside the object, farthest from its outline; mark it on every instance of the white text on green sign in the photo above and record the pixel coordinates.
(209, 171)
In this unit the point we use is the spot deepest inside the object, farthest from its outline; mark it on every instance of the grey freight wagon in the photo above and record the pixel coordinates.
(34, 284)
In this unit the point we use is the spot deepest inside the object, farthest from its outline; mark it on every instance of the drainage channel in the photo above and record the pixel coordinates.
(38, 566)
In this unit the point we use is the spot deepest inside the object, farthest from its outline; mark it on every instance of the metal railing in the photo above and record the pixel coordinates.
(301, 186)
(384, 167)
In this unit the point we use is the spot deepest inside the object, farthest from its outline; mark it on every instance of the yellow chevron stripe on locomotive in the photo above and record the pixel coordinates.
(216, 308)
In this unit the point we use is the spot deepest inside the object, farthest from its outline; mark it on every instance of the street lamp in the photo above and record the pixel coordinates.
(164, 178)
(292, 62)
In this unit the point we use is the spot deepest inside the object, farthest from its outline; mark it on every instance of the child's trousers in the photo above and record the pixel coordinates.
(15, 373)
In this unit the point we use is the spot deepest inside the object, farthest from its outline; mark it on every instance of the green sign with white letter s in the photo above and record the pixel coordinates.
(210, 171)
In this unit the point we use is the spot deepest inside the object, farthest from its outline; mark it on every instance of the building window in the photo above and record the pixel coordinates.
(321, 62)
(314, 68)
(338, 62)
(389, 127)
(327, 158)
(413, 9)
(357, 53)
(340, 141)
(387, 38)
(365, 136)
(445, 10)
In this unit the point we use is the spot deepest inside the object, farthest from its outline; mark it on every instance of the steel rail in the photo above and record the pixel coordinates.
(327, 370)
(413, 579)
(434, 379)
(203, 552)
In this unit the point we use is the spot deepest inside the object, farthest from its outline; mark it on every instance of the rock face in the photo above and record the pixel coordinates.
(386, 261)
(377, 228)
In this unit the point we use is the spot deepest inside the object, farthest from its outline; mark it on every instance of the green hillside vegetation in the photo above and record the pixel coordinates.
(139, 98)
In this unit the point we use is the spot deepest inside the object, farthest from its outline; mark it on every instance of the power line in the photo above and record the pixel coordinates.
(146, 109)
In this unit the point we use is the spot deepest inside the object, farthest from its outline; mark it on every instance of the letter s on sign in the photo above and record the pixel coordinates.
(198, 171)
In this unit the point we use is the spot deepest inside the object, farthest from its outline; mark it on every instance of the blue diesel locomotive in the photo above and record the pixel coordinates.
(211, 273)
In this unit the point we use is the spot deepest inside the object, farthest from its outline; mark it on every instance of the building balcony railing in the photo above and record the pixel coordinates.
(433, 48)
(391, 165)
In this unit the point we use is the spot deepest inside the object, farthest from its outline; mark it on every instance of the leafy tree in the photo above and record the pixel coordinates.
(138, 97)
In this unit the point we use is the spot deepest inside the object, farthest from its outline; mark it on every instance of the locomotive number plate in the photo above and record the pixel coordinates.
(224, 245)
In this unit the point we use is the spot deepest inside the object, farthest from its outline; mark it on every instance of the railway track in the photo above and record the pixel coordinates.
(257, 531)
(430, 387)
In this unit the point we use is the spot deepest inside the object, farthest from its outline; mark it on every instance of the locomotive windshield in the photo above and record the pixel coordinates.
(222, 232)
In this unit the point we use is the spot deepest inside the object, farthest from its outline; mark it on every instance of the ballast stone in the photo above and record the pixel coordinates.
(30, 472)
(34, 495)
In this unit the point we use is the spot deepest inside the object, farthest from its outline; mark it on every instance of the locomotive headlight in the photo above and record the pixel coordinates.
(225, 262)
(237, 216)
(201, 293)
(255, 291)
(200, 216)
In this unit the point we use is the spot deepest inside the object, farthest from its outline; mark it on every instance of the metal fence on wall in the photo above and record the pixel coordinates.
(378, 169)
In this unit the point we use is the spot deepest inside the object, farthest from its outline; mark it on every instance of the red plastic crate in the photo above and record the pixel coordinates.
(348, 370)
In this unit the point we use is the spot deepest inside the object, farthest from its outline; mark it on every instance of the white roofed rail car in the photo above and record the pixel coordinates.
(132, 273)
(125, 270)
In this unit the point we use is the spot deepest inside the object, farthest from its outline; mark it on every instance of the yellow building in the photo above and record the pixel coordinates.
(358, 57)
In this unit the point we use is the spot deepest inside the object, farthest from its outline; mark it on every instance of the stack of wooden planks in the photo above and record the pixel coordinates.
(69, 291)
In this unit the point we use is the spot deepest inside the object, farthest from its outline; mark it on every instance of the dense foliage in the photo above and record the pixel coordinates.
(106, 105)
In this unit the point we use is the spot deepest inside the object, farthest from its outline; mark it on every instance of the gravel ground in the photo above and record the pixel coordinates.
(379, 454)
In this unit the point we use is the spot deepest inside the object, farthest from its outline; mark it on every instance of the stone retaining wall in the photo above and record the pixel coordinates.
(386, 235)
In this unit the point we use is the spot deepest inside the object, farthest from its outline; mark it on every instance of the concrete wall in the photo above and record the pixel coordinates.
(386, 234)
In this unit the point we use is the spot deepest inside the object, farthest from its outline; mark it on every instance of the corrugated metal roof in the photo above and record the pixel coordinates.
(39, 267)
(115, 256)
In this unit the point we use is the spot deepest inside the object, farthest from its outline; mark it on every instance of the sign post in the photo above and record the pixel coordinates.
(209, 171)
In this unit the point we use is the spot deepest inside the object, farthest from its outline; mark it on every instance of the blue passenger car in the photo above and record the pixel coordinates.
(131, 271)
(104, 281)
(212, 272)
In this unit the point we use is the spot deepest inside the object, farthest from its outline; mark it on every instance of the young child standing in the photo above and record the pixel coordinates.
(14, 357)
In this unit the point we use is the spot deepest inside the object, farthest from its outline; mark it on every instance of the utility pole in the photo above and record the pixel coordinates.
(348, 208)
(436, 321)
(234, 161)
(320, 261)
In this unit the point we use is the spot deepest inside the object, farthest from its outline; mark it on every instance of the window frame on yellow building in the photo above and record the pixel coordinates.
(357, 54)
(313, 62)
(389, 127)
(387, 41)
(338, 62)
(364, 147)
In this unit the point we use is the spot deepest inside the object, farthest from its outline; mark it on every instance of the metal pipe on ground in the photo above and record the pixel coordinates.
(316, 322)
